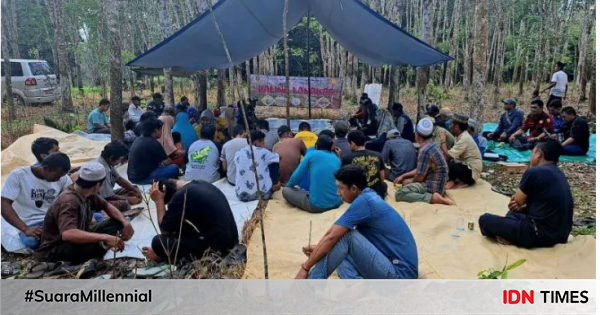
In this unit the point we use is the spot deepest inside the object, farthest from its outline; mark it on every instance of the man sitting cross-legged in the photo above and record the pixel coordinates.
(464, 159)
(541, 212)
(28, 193)
(266, 169)
(68, 234)
(369, 241)
(370, 160)
(426, 182)
(208, 222)
(123, 198)
(319, 165)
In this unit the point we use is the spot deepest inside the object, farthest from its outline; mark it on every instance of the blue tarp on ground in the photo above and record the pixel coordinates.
(251, 27)
(523, 156)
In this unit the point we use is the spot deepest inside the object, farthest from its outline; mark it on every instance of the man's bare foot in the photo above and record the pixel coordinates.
(439, 199)
(449, 184)
(134, 200)
(150, 254)
(502, 241)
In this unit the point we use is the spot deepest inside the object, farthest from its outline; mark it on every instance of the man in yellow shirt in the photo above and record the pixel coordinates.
(308, 137)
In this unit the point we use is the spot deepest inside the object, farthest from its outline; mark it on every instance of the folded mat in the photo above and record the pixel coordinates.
(440, 254)
(515, 155)
(81, 150)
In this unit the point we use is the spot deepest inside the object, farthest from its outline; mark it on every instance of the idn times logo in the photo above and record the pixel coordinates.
(557, 297)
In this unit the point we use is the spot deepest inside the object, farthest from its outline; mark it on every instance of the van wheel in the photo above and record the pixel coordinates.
(19, 101)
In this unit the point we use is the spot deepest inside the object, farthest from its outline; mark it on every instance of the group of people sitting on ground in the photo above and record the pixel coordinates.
(80, 216)
(76, 214)
(558, 123)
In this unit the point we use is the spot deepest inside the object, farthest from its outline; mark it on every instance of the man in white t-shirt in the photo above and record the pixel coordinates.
(202, 161)
(28, 193)
(558, 86)
(267, 168)
(230, 148)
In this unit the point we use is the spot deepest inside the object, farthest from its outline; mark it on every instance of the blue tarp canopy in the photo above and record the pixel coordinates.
(252, 26)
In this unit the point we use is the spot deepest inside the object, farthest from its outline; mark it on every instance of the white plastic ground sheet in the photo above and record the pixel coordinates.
(18, 155)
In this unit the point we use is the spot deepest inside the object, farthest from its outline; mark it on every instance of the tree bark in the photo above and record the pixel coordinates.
(201, 98)
(248, 86)
(65, 86)
(14, 38)
(423, 72)
(364, 76)
(112, 9)
(477, 98)
(354, 79)
(592, 96)
(12, 114)
(231, 95)
(467, 55)
(221, 88)
(523, 75)
(169, 97)
(451, 70)
(583, 52)
(498, 71)
(394, 86)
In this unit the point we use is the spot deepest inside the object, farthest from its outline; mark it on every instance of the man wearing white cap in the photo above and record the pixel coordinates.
(426, 182)
(68, 234)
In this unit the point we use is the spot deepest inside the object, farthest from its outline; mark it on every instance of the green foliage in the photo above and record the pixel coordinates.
(68, 125)
(584, 230)
(500, 274)
(436, 93)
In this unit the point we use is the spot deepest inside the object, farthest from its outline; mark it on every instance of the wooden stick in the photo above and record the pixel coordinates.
(243, 108)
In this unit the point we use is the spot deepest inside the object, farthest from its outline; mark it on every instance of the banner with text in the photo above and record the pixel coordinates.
(271, 91)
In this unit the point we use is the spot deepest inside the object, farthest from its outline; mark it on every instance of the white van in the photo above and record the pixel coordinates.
(33, 81)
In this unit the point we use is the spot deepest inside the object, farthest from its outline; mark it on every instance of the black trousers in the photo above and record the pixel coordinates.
(516, 228)
(382, 190)
(551, 98)
(461, 172)
(80, 253)
(190, 247)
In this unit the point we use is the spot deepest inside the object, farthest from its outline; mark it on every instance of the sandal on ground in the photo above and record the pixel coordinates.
(39, 269)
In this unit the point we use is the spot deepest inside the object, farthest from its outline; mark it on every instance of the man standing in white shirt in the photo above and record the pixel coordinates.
(558, 86)
(134, 110)
(28, 193)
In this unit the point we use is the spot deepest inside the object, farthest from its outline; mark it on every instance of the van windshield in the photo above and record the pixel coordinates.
(40, 68)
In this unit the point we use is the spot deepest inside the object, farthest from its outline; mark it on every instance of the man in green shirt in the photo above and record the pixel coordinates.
(97, 121)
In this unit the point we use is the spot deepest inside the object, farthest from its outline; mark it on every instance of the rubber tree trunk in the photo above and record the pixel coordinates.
(63, 61)
(221, 88)
(12, 115)
(164, 17)
(477, 97)
(423, 72)
(115, 73)
(14, 38)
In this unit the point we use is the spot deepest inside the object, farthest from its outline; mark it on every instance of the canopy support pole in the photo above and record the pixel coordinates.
(308, 63)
